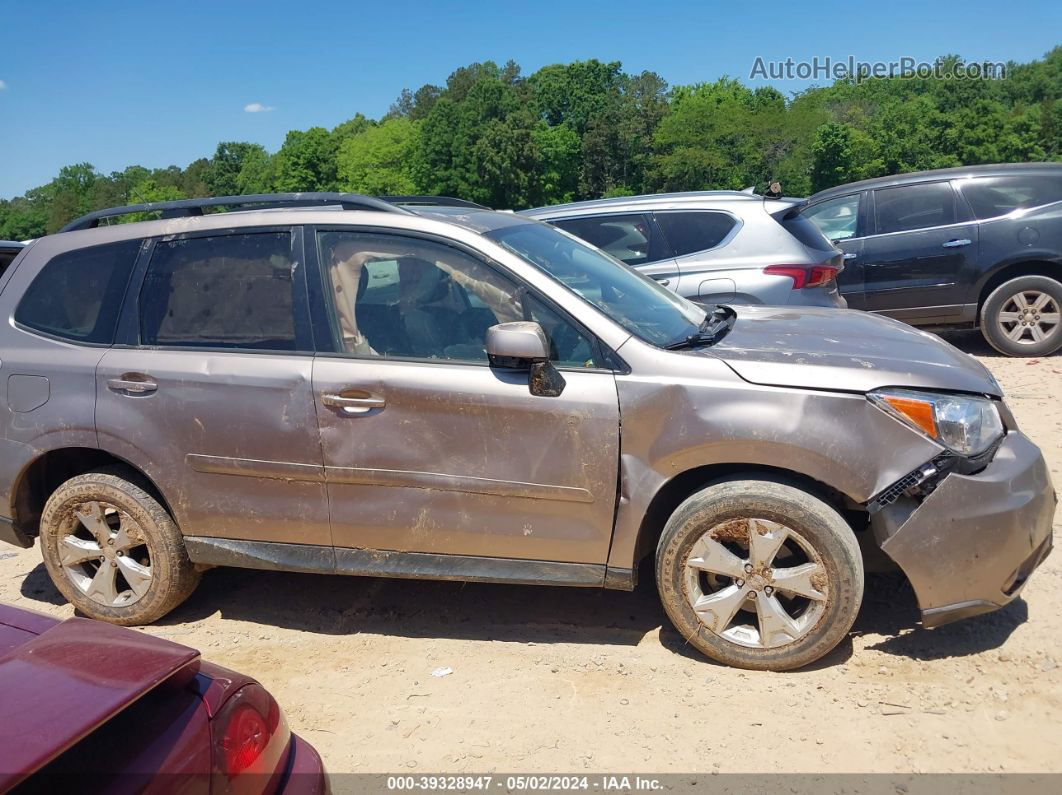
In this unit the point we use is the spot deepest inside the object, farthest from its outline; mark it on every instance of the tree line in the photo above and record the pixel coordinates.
(588, 129)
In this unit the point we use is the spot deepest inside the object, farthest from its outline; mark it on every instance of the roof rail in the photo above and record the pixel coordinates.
(193, 207)
(433, 201)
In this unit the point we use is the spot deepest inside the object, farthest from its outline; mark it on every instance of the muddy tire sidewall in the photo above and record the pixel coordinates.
(173, 576)
(818, 523)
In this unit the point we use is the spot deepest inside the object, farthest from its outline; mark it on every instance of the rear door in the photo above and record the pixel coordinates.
(698, 240)
(921, 254)
(632, 238)
(428, 448)
(209, 390)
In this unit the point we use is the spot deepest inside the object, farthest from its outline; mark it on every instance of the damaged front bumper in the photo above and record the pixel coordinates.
(970, 545)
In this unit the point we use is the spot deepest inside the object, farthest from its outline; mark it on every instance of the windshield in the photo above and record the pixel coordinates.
(636, 302)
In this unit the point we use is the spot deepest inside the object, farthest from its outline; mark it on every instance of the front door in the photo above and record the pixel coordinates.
(211, 394)
(915, 264)
(427, 448)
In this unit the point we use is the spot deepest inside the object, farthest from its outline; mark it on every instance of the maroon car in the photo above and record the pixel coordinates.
(122, 711)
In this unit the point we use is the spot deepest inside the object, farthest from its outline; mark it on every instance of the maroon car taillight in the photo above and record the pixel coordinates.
(251, 741)
(804, 275)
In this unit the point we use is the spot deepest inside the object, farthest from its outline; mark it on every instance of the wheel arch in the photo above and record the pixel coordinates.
(41, 476)
(672, 493)
(1013, 270)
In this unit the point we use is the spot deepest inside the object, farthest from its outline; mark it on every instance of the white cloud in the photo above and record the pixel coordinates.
(3, 85)
(258, 107)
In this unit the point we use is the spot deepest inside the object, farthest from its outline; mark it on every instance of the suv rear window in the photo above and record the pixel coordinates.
(805, 230)
(226, 291)
(689, 232)
(78, 294)
(991, 197)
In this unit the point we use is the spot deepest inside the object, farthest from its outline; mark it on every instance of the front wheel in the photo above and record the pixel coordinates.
(1023, 317)
(759, 575)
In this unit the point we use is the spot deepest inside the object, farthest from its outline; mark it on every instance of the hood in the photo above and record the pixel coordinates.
(846, 350)
(62, 680)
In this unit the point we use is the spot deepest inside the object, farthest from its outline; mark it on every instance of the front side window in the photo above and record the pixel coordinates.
(628, 238)
(690, 232)
(837, 218)
(224, 291)
(991, 197)
(403, 297)
(914, 207)
(640, 305)
(78, 295)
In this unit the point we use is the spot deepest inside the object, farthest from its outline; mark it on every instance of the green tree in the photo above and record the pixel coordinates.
(306, 162)
(378, 159)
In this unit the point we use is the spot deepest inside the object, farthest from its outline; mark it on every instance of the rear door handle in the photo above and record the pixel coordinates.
(850, 255)
(958, 243)
(132, 387)
(352, 405)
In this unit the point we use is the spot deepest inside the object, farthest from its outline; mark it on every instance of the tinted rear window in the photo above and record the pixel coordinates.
(991, 197)
(689, 232)
(78, 295)
(227, 291)
(910, 207)
(805, 230)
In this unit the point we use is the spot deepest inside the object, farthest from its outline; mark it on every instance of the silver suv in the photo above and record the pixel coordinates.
(448, 392)
(712, 246)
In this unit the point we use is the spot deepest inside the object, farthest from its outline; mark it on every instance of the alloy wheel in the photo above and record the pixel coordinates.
(1029, 317)
(105, 555)
(756, 583)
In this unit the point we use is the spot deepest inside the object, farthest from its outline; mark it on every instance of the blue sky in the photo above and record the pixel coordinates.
(121, 83)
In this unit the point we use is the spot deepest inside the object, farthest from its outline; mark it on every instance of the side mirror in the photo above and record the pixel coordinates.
(524, 345)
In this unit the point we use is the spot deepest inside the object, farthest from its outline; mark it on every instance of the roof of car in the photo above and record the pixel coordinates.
(187, 215)
(11, 244)
(990, 170)
(649, 199)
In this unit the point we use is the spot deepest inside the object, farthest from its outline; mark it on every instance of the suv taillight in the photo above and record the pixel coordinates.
(250, 743)
(805, 275)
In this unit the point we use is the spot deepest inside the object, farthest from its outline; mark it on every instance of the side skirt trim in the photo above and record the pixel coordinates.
(274, 556)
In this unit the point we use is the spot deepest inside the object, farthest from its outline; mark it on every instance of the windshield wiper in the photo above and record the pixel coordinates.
(716, 324)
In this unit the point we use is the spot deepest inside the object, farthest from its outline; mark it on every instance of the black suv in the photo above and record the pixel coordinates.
(978, 246)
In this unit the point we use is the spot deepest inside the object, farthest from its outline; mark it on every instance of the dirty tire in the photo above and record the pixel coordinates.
(173, 576)
(816, 522)
(1000, 300)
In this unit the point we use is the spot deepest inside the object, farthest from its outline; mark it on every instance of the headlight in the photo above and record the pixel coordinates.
(965, 425)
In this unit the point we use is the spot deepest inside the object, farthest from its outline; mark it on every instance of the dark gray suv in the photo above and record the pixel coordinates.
(979, 246)
(358, 388)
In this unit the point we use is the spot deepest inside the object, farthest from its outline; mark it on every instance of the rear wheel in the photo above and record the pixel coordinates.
(1023, 317)
(759, 575)
(113, 551)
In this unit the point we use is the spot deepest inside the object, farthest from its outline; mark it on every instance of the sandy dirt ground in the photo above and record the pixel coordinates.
(571, 680)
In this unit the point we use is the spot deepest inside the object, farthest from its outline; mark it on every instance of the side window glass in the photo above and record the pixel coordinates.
(225, 291)
(991, 197)
(78, 295)
(689, 232)
(628, 238)
(914, 207)
(404, 297)
(836, 218)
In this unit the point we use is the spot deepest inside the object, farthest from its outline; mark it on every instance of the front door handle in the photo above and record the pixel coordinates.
(352, 405)
(131, 386)
(958, 243)
(662, 281)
